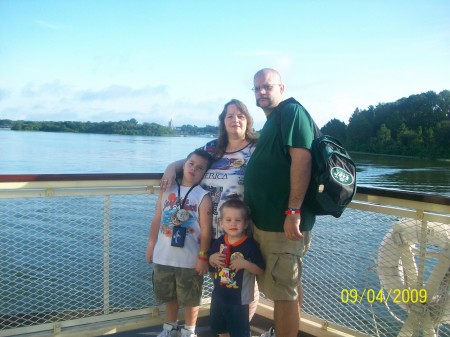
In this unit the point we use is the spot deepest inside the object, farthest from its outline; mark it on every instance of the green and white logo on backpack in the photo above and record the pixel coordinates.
(341, 176)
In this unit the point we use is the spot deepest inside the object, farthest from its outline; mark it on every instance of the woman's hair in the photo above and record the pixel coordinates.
(222, 139)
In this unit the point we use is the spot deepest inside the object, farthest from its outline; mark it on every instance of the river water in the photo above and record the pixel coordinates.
(23, 152)
(62, 153)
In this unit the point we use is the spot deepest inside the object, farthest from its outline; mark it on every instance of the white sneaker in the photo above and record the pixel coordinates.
(187, 333)
(169, 331)
(270, 333)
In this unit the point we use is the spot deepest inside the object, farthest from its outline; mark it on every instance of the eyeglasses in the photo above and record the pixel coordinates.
(266, 87)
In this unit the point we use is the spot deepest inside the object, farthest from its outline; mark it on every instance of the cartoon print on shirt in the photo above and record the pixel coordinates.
(227, 275)
(169, 211)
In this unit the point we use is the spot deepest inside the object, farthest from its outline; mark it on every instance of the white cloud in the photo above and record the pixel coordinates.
(4, 93)
(47, 25)
(254, 53)
(115, 92)
(57, 101)
(54, 88)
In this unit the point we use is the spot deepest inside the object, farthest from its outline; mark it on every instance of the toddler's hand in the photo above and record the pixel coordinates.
(217, 260)
(238, 263)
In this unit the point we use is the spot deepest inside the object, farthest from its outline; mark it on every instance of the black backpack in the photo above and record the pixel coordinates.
(333, 173)
(333, 177)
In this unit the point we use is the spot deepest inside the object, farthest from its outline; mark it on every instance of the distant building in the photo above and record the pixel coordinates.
(170, 125)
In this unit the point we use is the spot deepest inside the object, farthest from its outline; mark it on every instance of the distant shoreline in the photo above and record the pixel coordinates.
(396, 155)
(112, 134)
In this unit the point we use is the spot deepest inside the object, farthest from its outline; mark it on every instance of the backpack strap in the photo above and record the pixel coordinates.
(292, 100)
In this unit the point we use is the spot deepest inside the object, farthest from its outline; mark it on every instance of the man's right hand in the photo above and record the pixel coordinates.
(292, 227)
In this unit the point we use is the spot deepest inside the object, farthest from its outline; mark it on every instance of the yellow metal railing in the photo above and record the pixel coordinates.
(72, 253)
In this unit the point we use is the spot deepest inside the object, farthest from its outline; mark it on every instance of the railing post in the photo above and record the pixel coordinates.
(106, 255)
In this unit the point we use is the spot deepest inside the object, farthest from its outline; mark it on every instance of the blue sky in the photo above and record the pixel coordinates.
(98, 60)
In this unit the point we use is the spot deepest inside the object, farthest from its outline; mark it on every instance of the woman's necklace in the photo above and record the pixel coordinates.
(243, 143)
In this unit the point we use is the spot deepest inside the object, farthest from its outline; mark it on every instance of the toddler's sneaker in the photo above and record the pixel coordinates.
(270, 333)
(187, 333)
(169, 331)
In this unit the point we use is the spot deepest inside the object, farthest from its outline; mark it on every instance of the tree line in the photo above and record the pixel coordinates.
(129, 127)
(418, 125)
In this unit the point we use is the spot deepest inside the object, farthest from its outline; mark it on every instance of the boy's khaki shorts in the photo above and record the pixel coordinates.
(183, 285)
(282, 276)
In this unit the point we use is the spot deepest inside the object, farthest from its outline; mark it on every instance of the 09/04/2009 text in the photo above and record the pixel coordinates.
(371, 295)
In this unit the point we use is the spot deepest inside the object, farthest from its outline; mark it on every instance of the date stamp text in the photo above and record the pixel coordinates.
(370, 295)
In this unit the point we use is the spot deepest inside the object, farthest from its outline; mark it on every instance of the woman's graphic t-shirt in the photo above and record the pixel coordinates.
(225, 179)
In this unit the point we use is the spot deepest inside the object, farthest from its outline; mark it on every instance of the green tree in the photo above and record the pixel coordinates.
(383, 135)
(415, 124)
(337, 129)
(442, 137)
(359, 129)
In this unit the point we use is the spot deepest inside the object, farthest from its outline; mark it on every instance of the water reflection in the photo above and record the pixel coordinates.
(413, 174)
(23, 152)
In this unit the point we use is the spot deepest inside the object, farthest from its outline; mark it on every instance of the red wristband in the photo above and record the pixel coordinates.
(203, 258)
(292, 211)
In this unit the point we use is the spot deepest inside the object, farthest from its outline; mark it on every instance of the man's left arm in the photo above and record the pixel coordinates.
(300, 175)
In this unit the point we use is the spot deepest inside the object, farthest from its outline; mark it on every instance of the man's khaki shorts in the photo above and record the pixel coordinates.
(282, 276)
(183, 285)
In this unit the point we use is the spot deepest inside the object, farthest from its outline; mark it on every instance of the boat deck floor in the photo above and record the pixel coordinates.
(258, 325)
